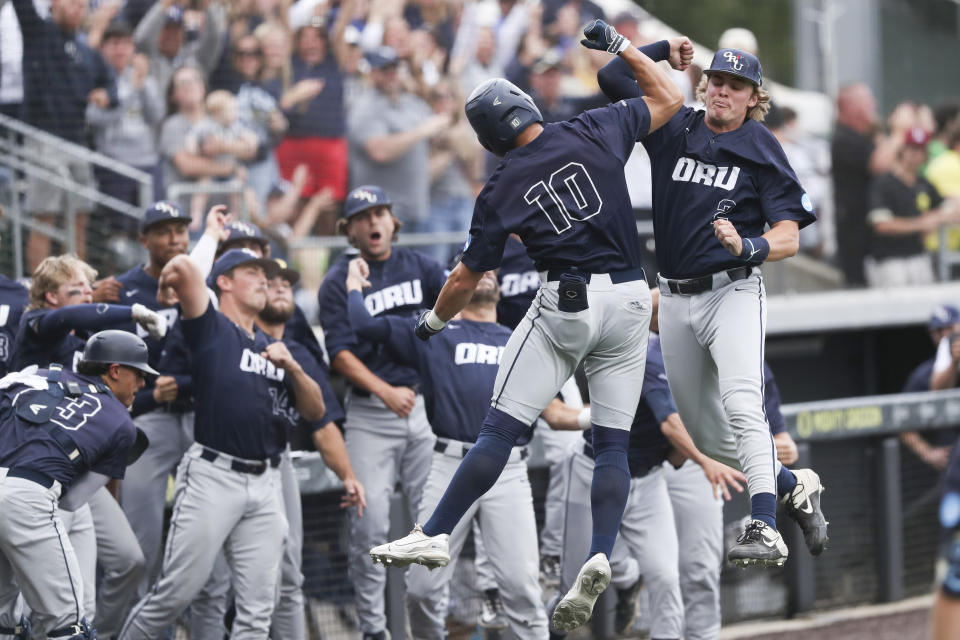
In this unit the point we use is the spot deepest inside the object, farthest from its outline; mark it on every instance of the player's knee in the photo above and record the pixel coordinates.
(609, 439)
(743, 405)
(501, 426)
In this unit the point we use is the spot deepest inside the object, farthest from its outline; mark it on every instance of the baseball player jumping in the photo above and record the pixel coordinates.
(561, 188)
(719, 177)
(60, 430)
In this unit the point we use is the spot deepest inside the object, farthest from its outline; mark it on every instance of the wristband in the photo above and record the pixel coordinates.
(583, 418)
(433, 321)
(755, 250)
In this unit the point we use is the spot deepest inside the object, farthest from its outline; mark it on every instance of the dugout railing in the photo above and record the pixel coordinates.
(880, 499)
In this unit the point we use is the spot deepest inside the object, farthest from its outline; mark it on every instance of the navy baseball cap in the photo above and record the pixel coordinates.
(382, 57)
(287, 272)
(943, 316)
(362, 198)
(174, 15)
(161, 212)
(737, 63)
(237, 257)
(240, 230)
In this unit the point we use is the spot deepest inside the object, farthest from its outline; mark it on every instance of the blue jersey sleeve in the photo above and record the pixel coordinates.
(200, 333)
(781, 194)
(656, 389)
(771, 401)
(617, 126)
(362, 323)
(484, 248)
(113, 461)
(402, 341)
(338, 335)
(616, 78)
(57, 322)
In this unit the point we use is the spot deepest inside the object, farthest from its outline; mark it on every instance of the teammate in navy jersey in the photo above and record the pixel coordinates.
(60, 306)
(458, 370)
(519, 283)
(14, 298)
(60, 430)
(288, 622)
(387, 433)
(561, 188)
(719, 177)
(654, 519)
(228, 484)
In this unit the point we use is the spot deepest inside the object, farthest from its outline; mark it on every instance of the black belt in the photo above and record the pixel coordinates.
(360, 393)
(255, 468)
(693, 286)
(635, 471)
(441, 447)
(41, 479)
(616, 277)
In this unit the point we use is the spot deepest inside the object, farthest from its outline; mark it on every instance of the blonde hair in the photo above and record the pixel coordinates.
(264, 31)
(218, 100)
(758, 111)
(53, 272)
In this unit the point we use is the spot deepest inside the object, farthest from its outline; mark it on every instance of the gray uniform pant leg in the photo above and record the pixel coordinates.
(699, 518)
(216, 507)
(289, 621)
(713, 346)
(481, 562)
(36, 557)
(383, 449)
(208, 609)
(143, 492)
(83, 537)
(119, 557)
(509, 532)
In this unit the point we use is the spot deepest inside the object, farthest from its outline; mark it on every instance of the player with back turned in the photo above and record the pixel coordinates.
(561, 188)
(719, 177)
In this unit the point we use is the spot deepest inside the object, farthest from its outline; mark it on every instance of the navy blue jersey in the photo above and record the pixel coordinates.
(98, 424)
(13, 300)
(519, 282)
(59, 335)
(402, 285)
(951, 479)
(298, 328)
(457, 367)
(140, 287)
(237, 390)
(919, 378)
(648, 446)
(771, 401)
(565, 195)
(289, 416)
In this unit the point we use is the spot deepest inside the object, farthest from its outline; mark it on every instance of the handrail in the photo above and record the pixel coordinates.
(230, 188)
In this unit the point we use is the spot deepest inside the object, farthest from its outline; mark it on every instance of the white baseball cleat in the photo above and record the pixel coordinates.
(759, 544)
(414, 548)
(577, 606)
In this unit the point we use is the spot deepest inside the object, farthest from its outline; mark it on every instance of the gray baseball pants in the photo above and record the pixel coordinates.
(646, 544)
(556, 449)
(143, 492)
(83, 536)
(383, 449)
(36, 557)
(216, 507)
(713, 351)
(699, 519)
(509, 532)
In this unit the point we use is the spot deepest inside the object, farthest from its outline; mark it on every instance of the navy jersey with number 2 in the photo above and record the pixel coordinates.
(565, 196)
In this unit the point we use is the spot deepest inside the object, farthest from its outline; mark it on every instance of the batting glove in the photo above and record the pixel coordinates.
(154, 323)
(603, 37)
(427, 325)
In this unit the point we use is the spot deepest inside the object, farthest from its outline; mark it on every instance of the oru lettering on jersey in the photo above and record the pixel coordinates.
(255, 363)
(515, 284)
(396, 295)
(690, 170)
(474, 353)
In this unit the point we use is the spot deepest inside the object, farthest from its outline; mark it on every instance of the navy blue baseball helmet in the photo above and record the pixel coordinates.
(362, 198)
(737, 63)
(118, 347)
(499, 111)
(943, 316)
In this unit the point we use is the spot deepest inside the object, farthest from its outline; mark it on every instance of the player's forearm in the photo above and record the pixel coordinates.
(309, 396)
(946, 379)
(663, 97)
(674, 431)
(616, 78)
(784, 240)
(329, 442)
(183, 276)
(82, 316)
(350, 367)
(362, 323)
(456, 292)
(563, 417)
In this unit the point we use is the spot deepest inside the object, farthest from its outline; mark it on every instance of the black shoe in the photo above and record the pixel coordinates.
(626, 611)
(491, 610)
(379, 635)
(550, 571)
(803, 505)
(760, 544)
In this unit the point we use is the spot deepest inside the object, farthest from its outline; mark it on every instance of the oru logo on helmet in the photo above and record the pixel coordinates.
(363, 194)
(733, 59)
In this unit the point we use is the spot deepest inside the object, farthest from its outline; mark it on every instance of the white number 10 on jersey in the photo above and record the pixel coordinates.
(572, 196)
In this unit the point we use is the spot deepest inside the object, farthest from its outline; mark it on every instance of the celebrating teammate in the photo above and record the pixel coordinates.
(457, 371)
(47, 447)
(561, 188)
(227, 487)
(718, 178)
